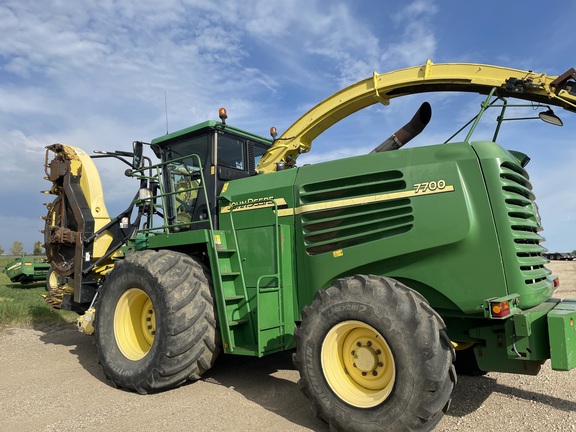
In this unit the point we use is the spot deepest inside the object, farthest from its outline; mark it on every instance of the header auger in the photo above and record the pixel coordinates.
(381, 269)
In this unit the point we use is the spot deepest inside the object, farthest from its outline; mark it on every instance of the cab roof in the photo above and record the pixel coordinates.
(206, 126)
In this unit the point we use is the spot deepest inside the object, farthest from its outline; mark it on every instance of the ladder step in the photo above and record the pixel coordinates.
(279, 325)
(237, 322)
(226, 251)
(230, 274)
(232, 299)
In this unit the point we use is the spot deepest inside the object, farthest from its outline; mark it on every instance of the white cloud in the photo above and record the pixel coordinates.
(94, 74)
(416, 9)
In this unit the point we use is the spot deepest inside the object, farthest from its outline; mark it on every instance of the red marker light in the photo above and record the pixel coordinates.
(273, 132)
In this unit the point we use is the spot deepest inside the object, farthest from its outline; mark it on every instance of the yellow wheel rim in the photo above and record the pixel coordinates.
(134, 324)
(53, 280)
(358, 364)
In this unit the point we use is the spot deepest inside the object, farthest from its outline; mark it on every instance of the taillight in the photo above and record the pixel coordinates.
(500, 309)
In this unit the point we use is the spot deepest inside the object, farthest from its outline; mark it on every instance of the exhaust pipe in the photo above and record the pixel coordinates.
(408, 131)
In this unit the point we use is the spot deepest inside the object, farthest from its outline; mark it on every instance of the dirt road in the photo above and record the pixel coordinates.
(50, 381)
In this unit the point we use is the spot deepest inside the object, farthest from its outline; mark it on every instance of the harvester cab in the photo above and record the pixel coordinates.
(196, 163)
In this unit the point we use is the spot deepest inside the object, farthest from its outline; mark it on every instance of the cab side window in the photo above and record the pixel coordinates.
(230, 152)
(259, 150)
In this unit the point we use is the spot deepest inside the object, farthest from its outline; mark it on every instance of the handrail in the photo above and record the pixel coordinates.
(158, 168)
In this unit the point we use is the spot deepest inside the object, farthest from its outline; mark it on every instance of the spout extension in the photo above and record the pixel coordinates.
(408, 131)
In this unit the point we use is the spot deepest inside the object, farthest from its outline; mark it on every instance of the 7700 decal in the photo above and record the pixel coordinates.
(432, 186)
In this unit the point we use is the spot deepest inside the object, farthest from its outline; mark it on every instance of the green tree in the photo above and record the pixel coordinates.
(37, 248)
(17, 248)
(1, 250)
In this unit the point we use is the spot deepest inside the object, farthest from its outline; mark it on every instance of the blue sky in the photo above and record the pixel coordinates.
(94, 75)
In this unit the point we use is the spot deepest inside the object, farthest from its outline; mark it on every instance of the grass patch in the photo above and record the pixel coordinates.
(22, 305)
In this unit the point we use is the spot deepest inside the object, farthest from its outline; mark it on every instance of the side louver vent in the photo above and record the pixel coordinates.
(524, 222)
(343, 213)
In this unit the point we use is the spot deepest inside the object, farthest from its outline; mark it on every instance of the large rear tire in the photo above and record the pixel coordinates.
(156, 321)
(373, 354)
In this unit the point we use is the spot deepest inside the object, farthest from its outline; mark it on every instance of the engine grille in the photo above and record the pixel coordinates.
(354, 220)
(524, 223)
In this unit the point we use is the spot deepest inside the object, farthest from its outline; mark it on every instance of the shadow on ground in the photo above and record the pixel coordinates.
(262, 381)
(252, 377)
(62, 332)
(472, 392)
(33, 285)
(256, 380)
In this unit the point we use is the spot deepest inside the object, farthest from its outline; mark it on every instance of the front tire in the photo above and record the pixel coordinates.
(156, 321)
(373, 354)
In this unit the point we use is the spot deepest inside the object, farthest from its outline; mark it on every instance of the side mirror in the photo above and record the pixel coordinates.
(138, 152)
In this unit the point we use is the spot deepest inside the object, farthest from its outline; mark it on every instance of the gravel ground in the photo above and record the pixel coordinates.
(50, 381)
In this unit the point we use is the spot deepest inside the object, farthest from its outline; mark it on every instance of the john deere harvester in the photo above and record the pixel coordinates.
(381, 270)
(27, 269)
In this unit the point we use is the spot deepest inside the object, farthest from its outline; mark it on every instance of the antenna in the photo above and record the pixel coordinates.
(166, 110)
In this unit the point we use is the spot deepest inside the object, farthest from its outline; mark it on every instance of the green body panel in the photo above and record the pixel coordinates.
(27, 270)
(440, 244)
(255, 302)
(173, 240)
(249, 208)
(562, 333)
(456, 222)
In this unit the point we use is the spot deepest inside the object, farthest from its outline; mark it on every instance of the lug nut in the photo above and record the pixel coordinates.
(149, 327)
(148, 319)
(358, 344)
(378, 352)
(353, 352)
(374, 373)
(380, 364)
(364, 373)
(369, 343)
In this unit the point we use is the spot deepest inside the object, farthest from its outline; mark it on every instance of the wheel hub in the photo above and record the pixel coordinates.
(365, 359)
(148, 321)
(358, 364)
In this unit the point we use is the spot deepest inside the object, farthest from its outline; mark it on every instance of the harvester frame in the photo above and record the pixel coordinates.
(362, 264)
